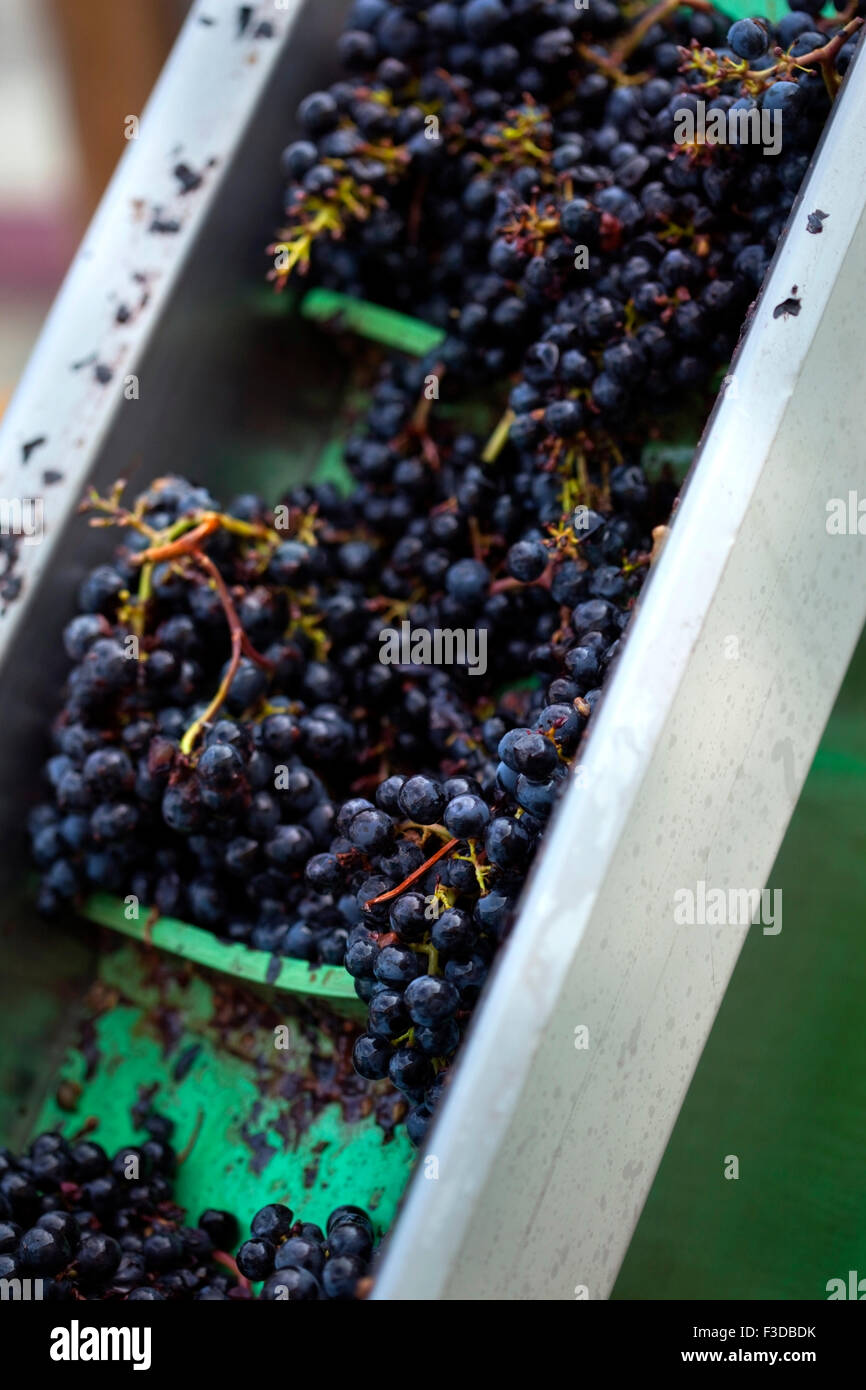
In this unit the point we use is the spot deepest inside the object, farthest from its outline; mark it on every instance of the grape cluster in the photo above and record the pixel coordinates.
(300, 1262)
(537, 205)
(422, 955)
(94, 1227)
(237, 810)
(233, 749)
(229, 790)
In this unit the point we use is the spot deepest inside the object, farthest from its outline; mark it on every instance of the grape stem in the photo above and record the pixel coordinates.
(230, 611)
(185, 538)
(498, 439)
(413, 877)
(222, 1257)
(657, 14)
(145, 593)
(507, 585)
(182, 545)
(825, 55)
(191, 1142)
(419, 425)
(112, 514)
(759, 80)
(848, 13)
(241, 646)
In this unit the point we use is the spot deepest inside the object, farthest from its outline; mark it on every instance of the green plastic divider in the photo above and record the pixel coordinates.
(203, 948)
(771, 9)
(372, 321)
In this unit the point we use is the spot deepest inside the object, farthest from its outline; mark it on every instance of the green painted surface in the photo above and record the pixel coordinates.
(332, 468)
(782, 1081)
(256, 1142)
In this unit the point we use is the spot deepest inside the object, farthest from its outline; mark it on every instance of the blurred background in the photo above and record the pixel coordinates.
(70, 72)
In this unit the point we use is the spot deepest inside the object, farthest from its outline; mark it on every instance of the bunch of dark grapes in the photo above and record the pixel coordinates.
(228, 708)
(298, 1261)
(206, 788)
(233, 749)
(93, 1227)
(531, 197)
(422, 954)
